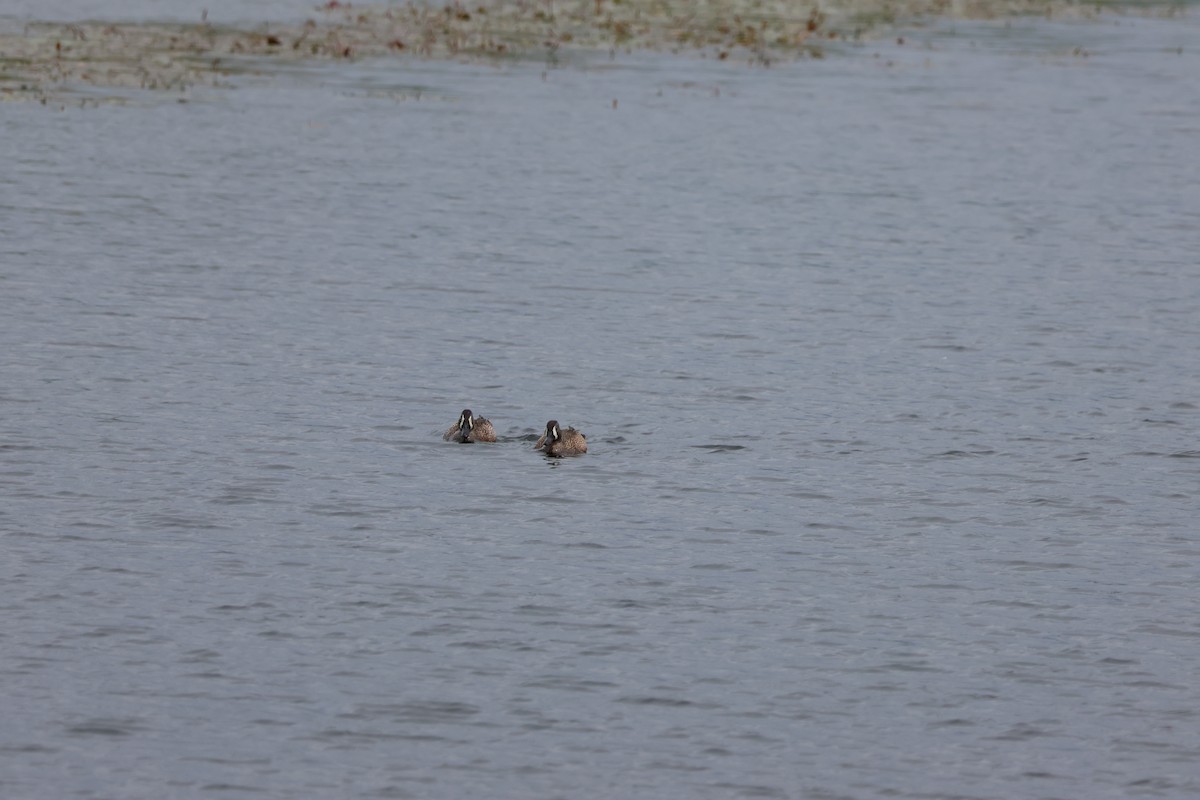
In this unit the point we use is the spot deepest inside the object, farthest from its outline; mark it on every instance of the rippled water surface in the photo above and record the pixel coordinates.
(888, 365)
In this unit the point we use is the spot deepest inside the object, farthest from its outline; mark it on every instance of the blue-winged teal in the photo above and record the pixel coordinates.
(470, 428)
(557, 442)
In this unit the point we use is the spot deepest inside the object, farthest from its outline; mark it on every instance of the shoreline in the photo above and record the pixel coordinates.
(54, 61)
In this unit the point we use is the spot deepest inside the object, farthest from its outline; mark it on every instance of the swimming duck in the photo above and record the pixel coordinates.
(470, 428)
(559, 443)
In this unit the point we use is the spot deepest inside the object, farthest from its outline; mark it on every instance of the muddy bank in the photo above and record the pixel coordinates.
(50, 60)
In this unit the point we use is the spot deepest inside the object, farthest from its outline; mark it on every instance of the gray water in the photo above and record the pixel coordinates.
(888, 365)
(217, 11)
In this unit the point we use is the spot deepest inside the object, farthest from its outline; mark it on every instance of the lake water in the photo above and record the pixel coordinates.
(887, 362)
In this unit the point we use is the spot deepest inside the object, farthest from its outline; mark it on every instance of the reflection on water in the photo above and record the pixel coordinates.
(886, 365)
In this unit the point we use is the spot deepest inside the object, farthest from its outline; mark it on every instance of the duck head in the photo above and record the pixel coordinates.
(466, 423)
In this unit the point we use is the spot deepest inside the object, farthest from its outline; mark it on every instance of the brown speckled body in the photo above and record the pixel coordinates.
(470, 428)
(557, 442)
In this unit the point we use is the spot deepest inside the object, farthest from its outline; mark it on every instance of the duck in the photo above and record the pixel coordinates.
(470, 428)
(557, 442)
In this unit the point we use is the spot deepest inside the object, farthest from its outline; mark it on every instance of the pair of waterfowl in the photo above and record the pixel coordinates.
(554, 442)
